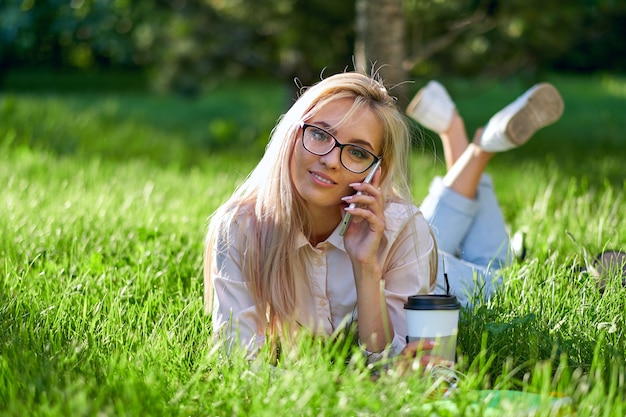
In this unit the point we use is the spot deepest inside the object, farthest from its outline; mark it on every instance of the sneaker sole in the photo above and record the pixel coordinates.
(410, 109)
(543, 107)
(437, 111)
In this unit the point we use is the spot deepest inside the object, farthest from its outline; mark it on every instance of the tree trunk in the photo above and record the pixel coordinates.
(380, 43)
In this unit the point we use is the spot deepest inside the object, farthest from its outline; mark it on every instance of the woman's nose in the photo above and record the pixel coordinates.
(332, 159)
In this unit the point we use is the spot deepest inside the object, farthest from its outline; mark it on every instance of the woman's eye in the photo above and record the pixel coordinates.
(358, 153)
(319, 135)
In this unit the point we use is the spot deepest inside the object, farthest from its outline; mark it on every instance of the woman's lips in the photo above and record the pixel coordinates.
(321, 178)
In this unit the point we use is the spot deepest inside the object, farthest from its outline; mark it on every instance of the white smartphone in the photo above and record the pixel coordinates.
(346, 218)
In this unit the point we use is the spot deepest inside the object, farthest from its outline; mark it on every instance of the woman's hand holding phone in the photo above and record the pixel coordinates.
(365, 219)
(345, 222)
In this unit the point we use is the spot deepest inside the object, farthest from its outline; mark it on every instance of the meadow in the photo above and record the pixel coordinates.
(103, 208)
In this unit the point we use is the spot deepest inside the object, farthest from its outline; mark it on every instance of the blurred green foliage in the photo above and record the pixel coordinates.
(505, 37)
(165, 129)
(190, 46)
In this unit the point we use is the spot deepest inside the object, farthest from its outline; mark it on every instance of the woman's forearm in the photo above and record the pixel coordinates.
(375, 327)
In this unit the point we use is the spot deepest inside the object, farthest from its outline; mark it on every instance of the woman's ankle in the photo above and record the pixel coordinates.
(454, 140)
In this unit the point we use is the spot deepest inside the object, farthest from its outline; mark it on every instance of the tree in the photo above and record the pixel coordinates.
(380, 42)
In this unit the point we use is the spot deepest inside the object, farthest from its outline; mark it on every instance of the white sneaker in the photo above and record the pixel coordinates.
(432, 107)
(512, 126)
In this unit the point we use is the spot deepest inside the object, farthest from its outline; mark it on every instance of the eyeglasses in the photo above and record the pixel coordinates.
(320, 142)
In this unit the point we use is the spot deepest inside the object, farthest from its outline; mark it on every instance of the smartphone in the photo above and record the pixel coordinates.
(346, 218)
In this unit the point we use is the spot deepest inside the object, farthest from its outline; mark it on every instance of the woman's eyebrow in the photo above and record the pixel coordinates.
(354, 141)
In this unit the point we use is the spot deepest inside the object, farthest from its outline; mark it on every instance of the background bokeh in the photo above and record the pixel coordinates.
(190, 46)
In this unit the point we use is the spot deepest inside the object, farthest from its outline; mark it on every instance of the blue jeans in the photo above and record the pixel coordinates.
(472, 239)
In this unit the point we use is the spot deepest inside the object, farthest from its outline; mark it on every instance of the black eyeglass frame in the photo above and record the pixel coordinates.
(339, 145)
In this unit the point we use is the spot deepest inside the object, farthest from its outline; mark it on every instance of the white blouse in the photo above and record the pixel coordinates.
(326, 296)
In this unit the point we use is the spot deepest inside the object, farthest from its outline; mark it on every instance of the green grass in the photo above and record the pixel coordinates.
(103, 209)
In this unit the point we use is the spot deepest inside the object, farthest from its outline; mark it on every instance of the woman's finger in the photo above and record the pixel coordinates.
(417, 346)
(432, 360)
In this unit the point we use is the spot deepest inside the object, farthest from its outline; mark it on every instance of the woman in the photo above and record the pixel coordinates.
(275, 260)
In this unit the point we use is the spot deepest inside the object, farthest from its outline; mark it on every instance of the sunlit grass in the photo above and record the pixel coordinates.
(101, 285)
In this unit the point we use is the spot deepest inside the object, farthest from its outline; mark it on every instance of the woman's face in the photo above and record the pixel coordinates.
(322, 180)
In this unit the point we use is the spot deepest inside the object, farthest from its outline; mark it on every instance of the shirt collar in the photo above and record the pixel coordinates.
(334, 239)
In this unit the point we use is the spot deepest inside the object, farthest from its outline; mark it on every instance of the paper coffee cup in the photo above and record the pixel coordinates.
(436, 318)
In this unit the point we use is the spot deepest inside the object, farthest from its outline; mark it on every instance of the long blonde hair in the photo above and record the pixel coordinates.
(265, 214)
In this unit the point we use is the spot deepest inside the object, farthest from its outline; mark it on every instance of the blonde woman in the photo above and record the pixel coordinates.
(276, 261)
